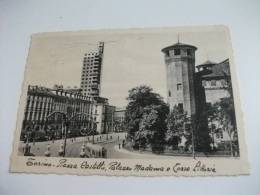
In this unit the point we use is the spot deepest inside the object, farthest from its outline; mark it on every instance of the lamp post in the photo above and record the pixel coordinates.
(65, 126)
(91, 130)
(192, 142)
(212, 132)
(33, 132)
(192, 136)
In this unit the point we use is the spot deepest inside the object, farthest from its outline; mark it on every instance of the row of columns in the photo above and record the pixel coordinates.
(40, 104)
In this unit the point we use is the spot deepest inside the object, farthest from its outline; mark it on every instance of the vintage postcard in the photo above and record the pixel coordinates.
(142, 102)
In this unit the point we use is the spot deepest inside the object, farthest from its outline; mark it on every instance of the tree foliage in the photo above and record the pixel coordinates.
(223, 111)
(176, 121)
(226, 108)
(146, 115)
(202, 138)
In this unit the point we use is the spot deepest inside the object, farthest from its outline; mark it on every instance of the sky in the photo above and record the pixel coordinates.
(131, 57)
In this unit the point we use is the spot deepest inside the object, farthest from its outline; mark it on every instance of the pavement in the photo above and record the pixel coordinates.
(73, 145)
(110, 142)
(124, 153)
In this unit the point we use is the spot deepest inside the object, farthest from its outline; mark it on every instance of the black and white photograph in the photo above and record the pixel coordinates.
(127, 97)
(130, 94)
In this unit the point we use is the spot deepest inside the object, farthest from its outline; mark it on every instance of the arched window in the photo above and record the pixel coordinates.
(169, 93)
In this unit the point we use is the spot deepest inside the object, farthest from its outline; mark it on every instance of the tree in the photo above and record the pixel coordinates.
(226, 117)
(176, 127)
(201, 138)
(145, 118)
(224, 113)
(153, 123)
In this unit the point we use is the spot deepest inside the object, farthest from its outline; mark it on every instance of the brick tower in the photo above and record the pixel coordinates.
(180, 66)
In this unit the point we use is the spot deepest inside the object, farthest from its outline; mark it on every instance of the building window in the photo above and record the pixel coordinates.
(204, 83)
(177, 51)
(213, 83)
(223, 83)
(188, 52)
(179, 86)
(180, 107)
(169, 93)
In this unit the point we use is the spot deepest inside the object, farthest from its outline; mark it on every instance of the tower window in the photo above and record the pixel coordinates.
(204, 83)
(180, 107)
(189, 52)
(179, 86)
(223, 83)
(177, 51)
(169, 93)
(213, 83)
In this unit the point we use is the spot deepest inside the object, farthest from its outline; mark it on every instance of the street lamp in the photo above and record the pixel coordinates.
(192, 142)
(65, 125)
(88, 132)
(192, 136)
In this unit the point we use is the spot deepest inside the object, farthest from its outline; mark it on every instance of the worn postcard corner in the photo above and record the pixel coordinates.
(136, 102)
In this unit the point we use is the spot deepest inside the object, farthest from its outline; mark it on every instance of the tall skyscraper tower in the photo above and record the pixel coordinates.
(180, 67)
(91, 72)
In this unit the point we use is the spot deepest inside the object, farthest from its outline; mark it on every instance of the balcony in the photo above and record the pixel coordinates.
(94, 74)
(94, 86)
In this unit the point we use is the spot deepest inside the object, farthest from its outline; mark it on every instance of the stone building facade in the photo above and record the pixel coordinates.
(188, 89)
(105, 115)
(47, 109)
(215, 83)
(119, 120)
(180, 68)
(185, 91)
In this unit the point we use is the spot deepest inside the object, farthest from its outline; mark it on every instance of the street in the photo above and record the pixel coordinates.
(108, 141)
(73, 145)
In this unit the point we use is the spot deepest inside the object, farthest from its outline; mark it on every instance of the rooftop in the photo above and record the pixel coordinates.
(207, 63)
(177, 45)
(219, 70)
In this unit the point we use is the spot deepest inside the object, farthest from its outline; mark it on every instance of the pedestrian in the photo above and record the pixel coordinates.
(47, 152)
(119, 146)
(104, 152)
(26, 149)
(123, 144)
(61, 150)
(82, 153)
